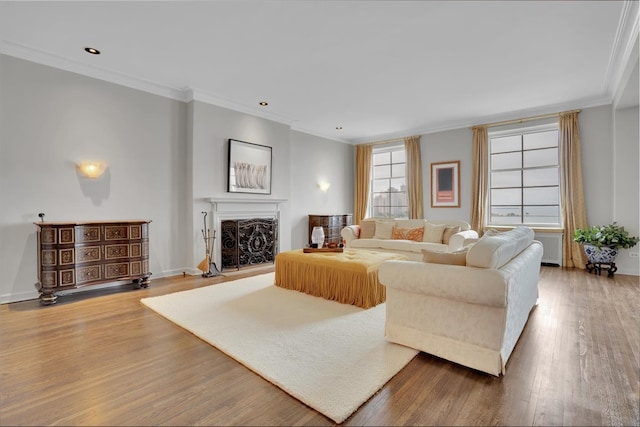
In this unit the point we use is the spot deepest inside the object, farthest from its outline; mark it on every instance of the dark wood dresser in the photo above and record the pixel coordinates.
(77, 254)
(331, 224)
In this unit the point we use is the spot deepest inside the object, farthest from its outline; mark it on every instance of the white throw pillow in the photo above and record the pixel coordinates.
(384, 229)
(448, 232)
(433, 232)
(451, 258)
(367, 228)
(494, 251)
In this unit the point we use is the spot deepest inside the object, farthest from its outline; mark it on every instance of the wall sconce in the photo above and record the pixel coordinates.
(324, 186)
(92, 169)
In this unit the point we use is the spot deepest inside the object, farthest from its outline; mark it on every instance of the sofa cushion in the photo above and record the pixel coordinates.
(368, 243)
(433, 232)
(451, 258)
(410, 223)
(397, 245)
(367, 228)
(448, 232)
(414, 234)
(383, 229)
(494, 251)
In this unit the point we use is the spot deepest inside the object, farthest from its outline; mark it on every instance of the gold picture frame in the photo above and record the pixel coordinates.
(445, 184)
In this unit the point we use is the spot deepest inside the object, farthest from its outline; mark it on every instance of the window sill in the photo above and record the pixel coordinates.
(558, 230)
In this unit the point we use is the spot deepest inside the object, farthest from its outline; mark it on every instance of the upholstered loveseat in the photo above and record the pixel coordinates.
(471, 313)
(408, 236)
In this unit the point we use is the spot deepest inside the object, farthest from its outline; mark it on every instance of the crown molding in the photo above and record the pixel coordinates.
(194, 94)
(34, 55)
(468, 123)
(622, 51)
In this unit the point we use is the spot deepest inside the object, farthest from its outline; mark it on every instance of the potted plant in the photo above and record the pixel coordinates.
(601, 243)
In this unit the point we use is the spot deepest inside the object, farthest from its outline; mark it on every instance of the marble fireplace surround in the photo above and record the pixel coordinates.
(227, 208)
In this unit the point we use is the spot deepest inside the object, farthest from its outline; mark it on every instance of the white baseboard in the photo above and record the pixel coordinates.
(31, 295)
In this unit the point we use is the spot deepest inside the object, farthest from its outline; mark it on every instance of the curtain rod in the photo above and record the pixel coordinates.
(528, 119)
(388, 141)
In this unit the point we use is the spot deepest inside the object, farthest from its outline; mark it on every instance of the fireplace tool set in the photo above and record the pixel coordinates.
(207, 263)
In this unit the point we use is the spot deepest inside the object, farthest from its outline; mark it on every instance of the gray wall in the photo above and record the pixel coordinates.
(315, 159)
(443, 147)
(626, 179)
(212, 127)
(51, 120)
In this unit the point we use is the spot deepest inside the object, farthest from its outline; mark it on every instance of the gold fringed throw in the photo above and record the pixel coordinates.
(350, 277)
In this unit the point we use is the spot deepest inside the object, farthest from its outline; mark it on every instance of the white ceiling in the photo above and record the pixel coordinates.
(379, 69)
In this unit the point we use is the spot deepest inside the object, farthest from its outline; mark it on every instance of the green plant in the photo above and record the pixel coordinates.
(611, 235)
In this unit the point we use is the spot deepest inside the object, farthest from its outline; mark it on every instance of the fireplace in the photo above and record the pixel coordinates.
(247, 231)
(248, 242)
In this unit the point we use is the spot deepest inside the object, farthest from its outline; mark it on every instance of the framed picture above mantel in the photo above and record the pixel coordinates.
(445, 184)
(249, 168)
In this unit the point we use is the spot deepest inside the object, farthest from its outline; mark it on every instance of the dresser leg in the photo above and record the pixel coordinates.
(142, 282)
(48, 298)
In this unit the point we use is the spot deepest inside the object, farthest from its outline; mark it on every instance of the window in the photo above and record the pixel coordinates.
(524, 177)
(388, 187)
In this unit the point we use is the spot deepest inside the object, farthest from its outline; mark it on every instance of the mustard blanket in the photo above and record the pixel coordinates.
(350, 277)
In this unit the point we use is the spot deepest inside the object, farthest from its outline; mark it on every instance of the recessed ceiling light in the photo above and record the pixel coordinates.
(264, 103)
(92, 50)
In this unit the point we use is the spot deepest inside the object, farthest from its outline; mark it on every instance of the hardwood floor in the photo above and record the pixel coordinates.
(101, 358)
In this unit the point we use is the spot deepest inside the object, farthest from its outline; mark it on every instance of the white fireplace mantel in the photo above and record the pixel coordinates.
(223, 208)
(217, 202)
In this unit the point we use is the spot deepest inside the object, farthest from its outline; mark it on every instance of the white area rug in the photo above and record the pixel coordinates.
(331, 356)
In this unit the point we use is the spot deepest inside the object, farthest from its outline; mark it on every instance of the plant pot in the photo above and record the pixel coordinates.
(605, 254)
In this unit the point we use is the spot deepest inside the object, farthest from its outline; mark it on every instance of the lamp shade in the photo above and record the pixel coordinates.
(92, 169)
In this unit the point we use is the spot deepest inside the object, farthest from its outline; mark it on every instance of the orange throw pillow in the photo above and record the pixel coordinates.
(415, 234)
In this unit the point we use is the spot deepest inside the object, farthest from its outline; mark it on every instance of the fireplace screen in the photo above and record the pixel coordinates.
(248, 242)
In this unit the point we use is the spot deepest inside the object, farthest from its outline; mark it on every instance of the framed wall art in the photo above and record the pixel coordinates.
(249, 168)
(445, 184)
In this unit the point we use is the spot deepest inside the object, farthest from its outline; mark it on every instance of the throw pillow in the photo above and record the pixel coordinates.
(492, 232)
(448, 232)
(383, 229)
(450, 258)
(433, 233)
(367, 228)
(400, 233)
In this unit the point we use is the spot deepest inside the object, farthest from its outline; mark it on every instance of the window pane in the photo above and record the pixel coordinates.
(505, 143)
(537, 177)
(545, 157)
(541, 196)
(381, 158)
(506, 197)
(399, 198)
(506, 161)
(399, 212)
(540, 139)
(506, 179)
(398, 184)
(398, 156)
(398, 170)
(542, 214)
(381, 171)
(380, 185)
(388, 195)
(506, 215)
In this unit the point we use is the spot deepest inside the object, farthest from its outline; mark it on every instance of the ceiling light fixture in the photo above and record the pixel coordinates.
(264, 103)
(92, 50)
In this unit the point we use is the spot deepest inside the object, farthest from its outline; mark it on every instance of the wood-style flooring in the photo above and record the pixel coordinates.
(99, 357)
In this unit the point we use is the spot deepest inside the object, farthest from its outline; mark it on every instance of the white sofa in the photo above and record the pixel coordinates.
(470, 314)
(377, 235)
